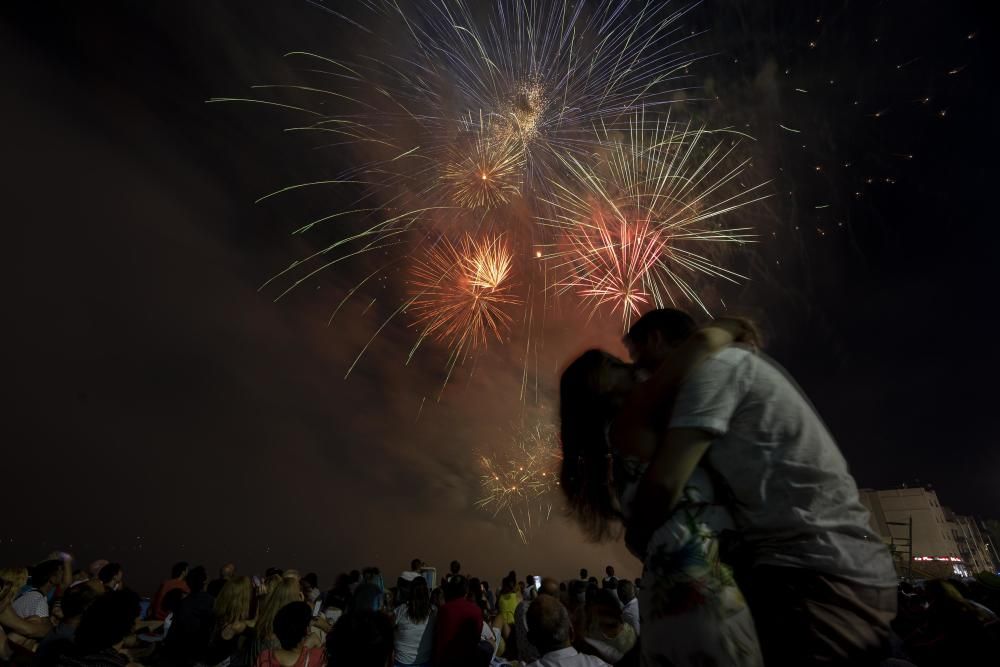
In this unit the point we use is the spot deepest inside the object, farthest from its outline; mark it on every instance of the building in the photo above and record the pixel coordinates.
(973, 545)
(913, 524)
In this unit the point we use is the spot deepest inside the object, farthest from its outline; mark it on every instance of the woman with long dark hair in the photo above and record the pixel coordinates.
(415, 626)
(691, 609)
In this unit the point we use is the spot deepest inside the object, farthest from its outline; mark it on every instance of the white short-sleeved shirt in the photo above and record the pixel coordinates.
(794, 501)
(569, 657)
(32, 603)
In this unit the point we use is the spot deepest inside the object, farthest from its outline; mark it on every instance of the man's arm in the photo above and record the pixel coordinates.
(32, 626)
(661, 487)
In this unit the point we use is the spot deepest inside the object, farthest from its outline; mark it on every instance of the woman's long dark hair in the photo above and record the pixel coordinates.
(418, 608)
(584, 414)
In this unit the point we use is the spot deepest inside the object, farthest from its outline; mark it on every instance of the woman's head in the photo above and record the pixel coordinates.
(233, 603)
(291, 624)
(418, 608)
(17, 576)
(591, 390)
(280, 595)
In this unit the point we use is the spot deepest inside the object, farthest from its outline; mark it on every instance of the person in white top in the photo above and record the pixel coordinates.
(630, 604)
(550, 630)
(822, 587)
(33, 605)
(415, 626)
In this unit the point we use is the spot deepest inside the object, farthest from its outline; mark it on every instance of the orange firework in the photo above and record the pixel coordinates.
(487, 173)
(460, 293)
(612, 259)
(642, 224)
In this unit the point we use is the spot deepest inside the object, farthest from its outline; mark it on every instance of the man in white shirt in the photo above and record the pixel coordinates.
(630, 604)
(550, 630)
(820, 585)
(33, 605)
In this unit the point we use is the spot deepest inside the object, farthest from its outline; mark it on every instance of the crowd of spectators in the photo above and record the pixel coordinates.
(55, 615)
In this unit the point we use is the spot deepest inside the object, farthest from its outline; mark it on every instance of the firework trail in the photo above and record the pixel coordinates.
(637, 224)
(519, 485)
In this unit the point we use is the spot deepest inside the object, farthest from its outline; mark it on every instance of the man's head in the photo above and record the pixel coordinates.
(47, 575)
(196, 579)
(549, 587)
(610, 571)
(111, 576)
(455, 588)
(583, 573)
(416, 564)
(654, 335)
(227, 571)
(361, 639)
(549, 628)
(179, 570)
(626, 591)
(456, 567)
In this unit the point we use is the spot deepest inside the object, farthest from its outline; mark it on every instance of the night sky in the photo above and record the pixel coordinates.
(159, 407)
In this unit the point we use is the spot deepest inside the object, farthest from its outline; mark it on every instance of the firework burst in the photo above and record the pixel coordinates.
(519, 485)
(638, 225)
(461, 293)
(485, 172)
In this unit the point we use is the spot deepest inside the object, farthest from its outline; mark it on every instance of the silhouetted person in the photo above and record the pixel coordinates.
(361, 639)
(549, 629)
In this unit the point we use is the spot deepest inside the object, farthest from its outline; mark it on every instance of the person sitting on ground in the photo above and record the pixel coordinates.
(369, 595)
(610, 580)
(232, 627)
(549, 629)
(361, 638)
(32, 606)
(60, 642)
(101, 635)
(291, 627)
(405, 580)
(337, 599)
(507, 602)
(491, 599)
(630, 604)
(176, 581)
(10, 622)
(193, 621)
(607, 635)
(459, 627)
(112, 577)
(310, 590)
(226, 572)
(526, 651)
(170, 602)
(6, 597)
(280, 595)
(415, 620)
